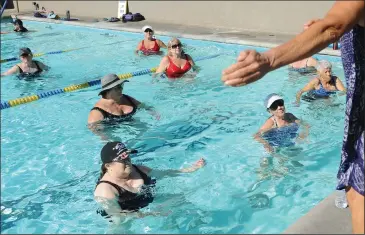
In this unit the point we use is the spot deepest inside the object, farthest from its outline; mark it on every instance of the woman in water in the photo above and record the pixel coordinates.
(176, 63)
(114, 105)
(149, 45)
(281, 128)
(28, 67)
(124, 187)
(322, 86)
(18, 26)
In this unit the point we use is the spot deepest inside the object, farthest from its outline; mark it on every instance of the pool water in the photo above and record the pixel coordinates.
(50, 160)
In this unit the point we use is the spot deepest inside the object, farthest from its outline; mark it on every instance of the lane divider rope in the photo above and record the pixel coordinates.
(42, 95)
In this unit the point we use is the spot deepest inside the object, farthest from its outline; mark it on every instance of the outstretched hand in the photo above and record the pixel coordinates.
(296, 103)
(199, 164)
(301, 138)
(250, 67)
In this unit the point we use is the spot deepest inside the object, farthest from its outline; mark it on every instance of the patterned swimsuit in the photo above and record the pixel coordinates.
(351, 171)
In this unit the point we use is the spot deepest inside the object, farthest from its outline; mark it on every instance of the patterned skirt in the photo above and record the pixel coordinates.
(351, 171)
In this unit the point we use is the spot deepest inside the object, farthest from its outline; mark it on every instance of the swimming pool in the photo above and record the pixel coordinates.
(50, 160)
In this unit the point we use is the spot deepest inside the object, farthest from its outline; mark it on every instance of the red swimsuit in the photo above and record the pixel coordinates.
(154, 50)
(174, 71)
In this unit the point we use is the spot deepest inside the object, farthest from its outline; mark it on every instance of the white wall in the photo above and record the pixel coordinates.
(265, 16)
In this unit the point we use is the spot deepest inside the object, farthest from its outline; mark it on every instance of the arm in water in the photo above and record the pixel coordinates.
(105, 133)
(161, 43)
(109, 202)
(136, 51)
(171, 173)
(258, 135)
(303, 124)
(147, 107)
(13, 70)
(309, 87)
(162, 66)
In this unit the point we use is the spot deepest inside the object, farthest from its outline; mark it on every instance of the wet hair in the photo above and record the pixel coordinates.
(103, 170)
(104, 93)
(323, 64)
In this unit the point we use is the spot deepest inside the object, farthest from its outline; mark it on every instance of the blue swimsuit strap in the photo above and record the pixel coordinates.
(322, 91)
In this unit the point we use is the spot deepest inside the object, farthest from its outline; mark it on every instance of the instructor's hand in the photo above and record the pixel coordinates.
(250, 67)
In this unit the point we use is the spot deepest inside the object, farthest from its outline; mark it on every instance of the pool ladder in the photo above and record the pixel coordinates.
(3, 8)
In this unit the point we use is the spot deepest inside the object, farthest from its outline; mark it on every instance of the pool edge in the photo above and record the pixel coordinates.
(324, 218)
(212, 36)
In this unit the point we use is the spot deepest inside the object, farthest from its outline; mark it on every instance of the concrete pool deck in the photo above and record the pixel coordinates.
(192, 32)
(324, 218)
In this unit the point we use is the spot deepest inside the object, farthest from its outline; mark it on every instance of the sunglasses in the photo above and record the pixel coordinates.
(176, 45)
(276, 104)
(122, 158)
(148, 31)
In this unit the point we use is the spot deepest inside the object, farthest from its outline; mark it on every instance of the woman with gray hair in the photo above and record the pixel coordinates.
(322, 86)
(176, 63)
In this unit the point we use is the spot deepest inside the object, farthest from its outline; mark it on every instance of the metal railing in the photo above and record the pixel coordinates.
(3, 8)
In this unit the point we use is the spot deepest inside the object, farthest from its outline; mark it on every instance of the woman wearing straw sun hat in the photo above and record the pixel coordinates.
(114, 105)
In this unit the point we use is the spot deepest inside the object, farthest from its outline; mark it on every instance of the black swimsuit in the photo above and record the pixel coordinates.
(129, 201)
(123, 117)
(22, 30)
(23, 74)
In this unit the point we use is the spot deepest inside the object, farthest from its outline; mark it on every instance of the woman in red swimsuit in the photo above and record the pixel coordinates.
(176, 63)
(149, 45)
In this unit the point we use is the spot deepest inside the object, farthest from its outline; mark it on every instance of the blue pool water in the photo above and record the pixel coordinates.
(50, 160)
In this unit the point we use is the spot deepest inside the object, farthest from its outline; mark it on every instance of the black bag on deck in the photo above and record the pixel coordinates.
(132, 17)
